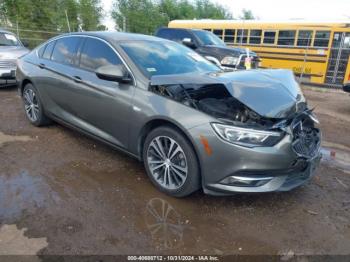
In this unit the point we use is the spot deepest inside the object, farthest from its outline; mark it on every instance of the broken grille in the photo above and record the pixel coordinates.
(306, 141)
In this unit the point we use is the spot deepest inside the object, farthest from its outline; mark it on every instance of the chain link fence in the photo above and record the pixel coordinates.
(33, 36)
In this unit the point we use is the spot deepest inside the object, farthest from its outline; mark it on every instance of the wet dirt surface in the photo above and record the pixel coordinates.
(69, 194)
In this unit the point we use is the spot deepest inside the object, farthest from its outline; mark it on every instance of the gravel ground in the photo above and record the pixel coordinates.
(63, 193)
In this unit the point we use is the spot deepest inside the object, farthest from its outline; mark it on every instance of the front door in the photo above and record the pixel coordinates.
(338, 59)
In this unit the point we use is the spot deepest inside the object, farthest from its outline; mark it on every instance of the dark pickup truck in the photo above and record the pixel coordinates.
(211, 47)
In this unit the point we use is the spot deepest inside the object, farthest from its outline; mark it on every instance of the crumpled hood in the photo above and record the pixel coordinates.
(12, 52)
(270, 93)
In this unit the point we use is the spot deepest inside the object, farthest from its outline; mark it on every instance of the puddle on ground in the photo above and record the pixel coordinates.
(10, 138)
(165, 224)
(23, 192)
(14, 242)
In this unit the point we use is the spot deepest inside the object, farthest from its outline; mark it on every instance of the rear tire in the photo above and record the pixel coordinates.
(33, 107)
(171, 162)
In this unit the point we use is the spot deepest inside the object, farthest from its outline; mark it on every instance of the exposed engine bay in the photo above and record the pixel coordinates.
(214, 100)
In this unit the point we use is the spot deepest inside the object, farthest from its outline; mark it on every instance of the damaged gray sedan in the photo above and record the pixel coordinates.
(193, 125)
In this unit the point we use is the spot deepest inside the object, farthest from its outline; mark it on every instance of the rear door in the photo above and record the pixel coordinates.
(60, 65)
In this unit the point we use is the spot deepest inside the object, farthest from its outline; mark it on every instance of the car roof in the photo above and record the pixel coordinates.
(185, 29)
(5, 31)
(115, 36)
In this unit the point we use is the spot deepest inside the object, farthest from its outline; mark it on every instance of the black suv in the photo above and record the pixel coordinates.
(210, 46)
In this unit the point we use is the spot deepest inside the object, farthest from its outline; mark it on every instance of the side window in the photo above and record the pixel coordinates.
(65, 50)
(230, 35)
(218, 32)
(269, 37)
(322, 38)
(242, 36)
(164, 33)
(286, 37)
(41, 51)
(48, 50)
(304, 38)
(255, 36)
(179, 35)
(96, 53)
(207, 29)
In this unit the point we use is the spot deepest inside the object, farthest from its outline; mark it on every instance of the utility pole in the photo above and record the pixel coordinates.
(17, 26)
(67, 20)
(124, 24)
(305, 59)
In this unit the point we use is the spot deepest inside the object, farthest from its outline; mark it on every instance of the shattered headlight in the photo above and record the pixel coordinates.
(229, 60)
(246, 136)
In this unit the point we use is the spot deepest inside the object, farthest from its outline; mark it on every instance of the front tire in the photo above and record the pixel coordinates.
(171, 162)
(33, 107)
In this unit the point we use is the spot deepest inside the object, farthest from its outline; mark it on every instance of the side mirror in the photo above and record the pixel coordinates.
(116, 73)
(188, 42)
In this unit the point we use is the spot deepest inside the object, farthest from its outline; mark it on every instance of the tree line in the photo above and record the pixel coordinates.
(138, 16)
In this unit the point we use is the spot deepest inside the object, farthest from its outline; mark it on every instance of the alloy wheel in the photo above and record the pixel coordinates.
(167, 162)
(31, 104)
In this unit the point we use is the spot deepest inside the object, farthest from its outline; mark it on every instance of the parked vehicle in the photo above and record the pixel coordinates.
(211, 47)
(11, 48)
(192, 124)
(346, 87)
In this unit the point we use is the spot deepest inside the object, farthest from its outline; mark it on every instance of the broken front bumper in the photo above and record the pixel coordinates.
(228, 168)
(267, 181)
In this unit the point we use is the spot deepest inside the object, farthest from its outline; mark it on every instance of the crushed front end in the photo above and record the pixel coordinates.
(260, 136)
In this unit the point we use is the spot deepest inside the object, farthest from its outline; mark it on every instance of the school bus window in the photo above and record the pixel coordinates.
(218, 32)
(304, 38)
(269, 37)
(230, 35)
(321, 38)
(207, 29)
(286, 37)
(242, 36)
(255, 36)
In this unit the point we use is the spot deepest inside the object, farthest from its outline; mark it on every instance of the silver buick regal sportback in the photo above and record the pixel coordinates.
(11, 49)
(193, 125)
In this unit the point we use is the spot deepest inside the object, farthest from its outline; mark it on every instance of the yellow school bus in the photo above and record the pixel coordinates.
(317, 51)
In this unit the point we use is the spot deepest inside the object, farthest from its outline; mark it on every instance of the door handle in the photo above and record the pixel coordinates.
(42, 66)
(77, 79)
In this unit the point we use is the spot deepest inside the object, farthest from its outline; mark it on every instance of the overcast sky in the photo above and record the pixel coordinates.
(276, 9)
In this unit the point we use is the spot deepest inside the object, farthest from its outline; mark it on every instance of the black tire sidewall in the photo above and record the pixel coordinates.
(42, 120)
(192, 182)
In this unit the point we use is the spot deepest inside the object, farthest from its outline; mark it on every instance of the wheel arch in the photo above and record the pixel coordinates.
(158, 122)
(24, 82)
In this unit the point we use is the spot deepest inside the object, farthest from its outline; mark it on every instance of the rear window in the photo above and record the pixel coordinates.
(65, 50)
(174, 34)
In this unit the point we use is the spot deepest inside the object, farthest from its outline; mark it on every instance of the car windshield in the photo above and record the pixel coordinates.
(166, 58)
(208, 38)
(7, 39)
